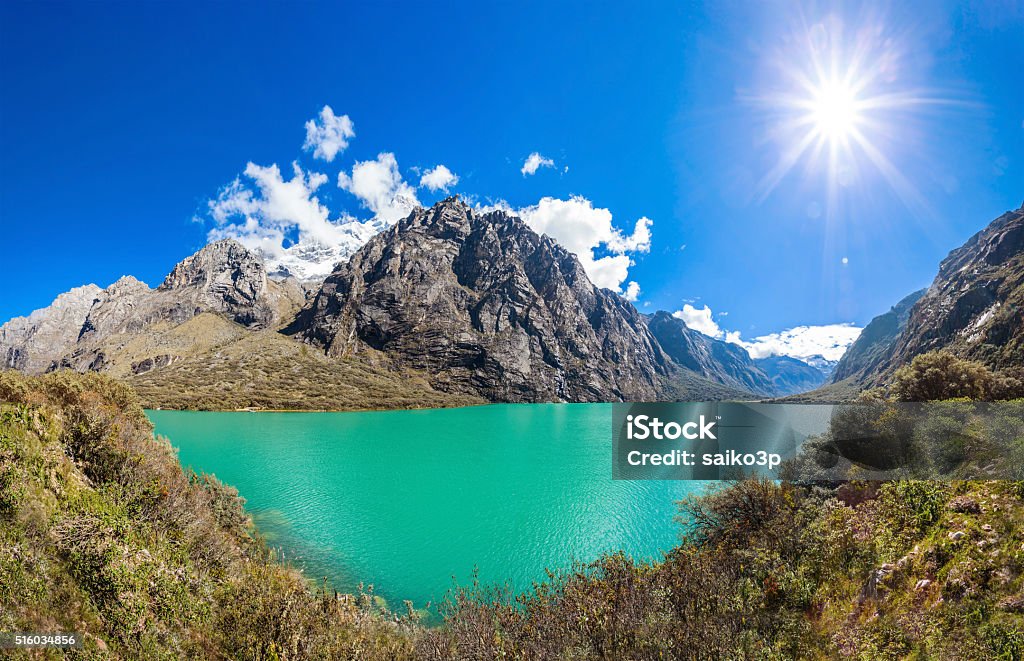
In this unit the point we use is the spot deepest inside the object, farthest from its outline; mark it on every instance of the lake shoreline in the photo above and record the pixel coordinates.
(409, 499)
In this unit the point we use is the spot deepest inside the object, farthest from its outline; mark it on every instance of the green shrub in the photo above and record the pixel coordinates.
(101, 531)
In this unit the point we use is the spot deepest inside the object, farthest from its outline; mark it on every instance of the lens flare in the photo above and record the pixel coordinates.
(839, 101)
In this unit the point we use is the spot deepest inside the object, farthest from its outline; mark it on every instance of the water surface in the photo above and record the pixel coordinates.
(409, 500)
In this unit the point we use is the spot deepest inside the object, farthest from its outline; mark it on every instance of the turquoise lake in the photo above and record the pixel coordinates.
(410, 500)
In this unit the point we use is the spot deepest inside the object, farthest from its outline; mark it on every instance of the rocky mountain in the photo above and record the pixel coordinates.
(973, 308)
(790, 376)
(875, 343)
(486, 306)
(974, 305)
(713, 359)
(447, 306)
(89, 328)
(728, 363)
(31, 343)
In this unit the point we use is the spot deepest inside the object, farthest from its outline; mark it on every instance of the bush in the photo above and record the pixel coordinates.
(102, 532)
(939, 375)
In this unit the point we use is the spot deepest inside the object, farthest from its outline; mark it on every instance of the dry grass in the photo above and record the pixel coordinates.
(266, 370)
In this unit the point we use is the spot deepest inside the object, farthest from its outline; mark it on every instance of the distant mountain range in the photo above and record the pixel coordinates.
(730, 364)
(451, 306)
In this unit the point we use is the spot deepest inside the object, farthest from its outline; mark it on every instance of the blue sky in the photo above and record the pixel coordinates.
(119, 122)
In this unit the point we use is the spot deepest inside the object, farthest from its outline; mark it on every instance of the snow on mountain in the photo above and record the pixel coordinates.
(310, 260)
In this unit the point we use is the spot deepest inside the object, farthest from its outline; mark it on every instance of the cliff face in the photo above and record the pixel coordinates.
(973, 308)
(875, 343)
(485, 306)
(31, 343)
(223, 277)
(89, 327)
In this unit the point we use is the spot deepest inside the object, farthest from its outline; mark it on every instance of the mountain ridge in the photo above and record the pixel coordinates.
(473, 306)
(487, 306)
(972, 308)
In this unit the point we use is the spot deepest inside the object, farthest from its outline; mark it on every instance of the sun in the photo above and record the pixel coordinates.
(839, 102)
(834, 111)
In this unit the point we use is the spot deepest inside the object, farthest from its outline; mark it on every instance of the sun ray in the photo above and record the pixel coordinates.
(837, 107)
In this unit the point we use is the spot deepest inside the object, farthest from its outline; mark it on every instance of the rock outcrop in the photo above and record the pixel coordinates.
(88, 327)
(223, 277)
(486, 306)
(974, 308)
(32, 343)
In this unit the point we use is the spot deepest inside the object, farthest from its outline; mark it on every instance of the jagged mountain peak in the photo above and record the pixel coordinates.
(74, 299)
(222, 260)
(126, 284)
(486, 306)
(29, 343)
(310, 260)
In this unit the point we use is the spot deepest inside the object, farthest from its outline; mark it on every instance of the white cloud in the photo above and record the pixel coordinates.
(699, 320)
(440, 178)
(379, 186)
(278, 209)
(296, 231)
(802, 342)
(638, 241)
(534, 162)
(583, 229)
(829, 341)
(328, 137)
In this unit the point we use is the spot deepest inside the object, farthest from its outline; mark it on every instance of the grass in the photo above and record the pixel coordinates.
(103, 533)
(266, 370)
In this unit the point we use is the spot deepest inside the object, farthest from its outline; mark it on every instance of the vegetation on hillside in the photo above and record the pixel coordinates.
(940, 375)
(266, 370)
(931, 376)
(102, 532)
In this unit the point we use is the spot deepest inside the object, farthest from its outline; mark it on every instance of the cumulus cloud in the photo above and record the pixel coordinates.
(584, 230)
(264, 211)
(829, 341)
(439, 179)
(534, 162)
(285, 219)
(380, 188)
(329, 136)
(699, 320)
